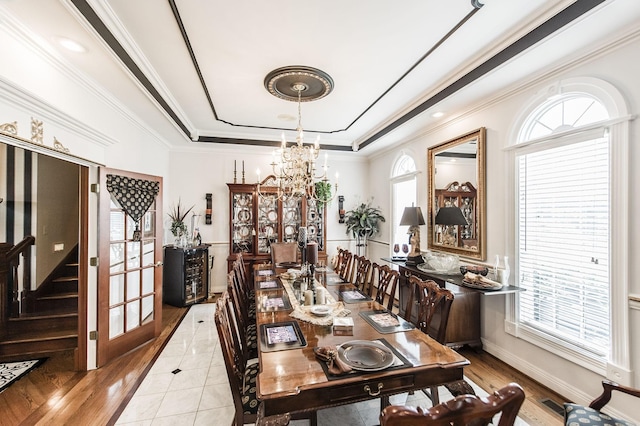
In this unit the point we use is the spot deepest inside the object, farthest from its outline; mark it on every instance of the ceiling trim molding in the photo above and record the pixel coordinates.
(561, 19)
(90, 15)
(101, 29)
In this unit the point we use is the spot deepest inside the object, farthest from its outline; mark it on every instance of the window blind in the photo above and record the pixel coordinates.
(563, 242)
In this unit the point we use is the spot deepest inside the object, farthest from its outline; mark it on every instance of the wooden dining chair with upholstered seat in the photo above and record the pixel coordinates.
(284, 256)
(591, 415)
(362, 275)
(344, 265)
(462, 410)
(243, 374)
(387, 281)
(434, 304)
(246, 333)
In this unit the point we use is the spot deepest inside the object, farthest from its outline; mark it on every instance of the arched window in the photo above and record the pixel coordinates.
(404, 194)
(563, 236)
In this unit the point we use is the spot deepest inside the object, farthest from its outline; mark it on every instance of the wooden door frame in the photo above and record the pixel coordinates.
(106, 352)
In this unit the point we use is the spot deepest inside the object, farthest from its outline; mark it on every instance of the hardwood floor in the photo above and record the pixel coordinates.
(54, 394)
(491, 374)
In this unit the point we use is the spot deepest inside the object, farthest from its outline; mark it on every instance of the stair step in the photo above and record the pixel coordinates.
(42, 321)
(59, 296)
(64, 279)
(37, 343)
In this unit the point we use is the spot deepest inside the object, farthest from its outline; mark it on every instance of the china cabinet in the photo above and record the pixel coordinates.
(259, 218)
(463, 196)
(185, 275)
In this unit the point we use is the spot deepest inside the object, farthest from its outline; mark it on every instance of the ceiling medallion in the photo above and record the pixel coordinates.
(295, 166)
(285, 82)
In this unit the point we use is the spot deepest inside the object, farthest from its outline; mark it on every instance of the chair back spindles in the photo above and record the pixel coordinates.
(433, 302)
(387, 280)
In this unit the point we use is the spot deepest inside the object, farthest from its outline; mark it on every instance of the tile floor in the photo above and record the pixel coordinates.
(199, 393)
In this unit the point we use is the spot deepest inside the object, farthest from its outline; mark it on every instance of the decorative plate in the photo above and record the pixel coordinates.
(289, 230)
(243, 200)
(321, 310)
(244, 215)
(269, 231)
(290, 215)
(244, 231)
(272, 215)
(312, 230)
(311, 214)
(365, 355)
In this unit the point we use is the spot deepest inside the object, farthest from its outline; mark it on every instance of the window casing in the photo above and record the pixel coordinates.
(570, 228)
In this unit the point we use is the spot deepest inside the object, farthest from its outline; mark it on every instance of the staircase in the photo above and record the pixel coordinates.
(49, 319)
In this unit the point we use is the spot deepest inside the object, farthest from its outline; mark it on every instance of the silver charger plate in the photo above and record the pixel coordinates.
(365, 355)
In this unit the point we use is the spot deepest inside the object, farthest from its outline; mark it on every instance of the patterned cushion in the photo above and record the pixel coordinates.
(252, 341)
(579, 415)
(249, 400)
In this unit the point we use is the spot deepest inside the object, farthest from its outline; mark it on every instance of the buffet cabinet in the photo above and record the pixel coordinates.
(259, 218)
(463, 327)
(186, 275)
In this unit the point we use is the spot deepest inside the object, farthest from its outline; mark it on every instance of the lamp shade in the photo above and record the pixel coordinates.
(450, 216)
(412, 216)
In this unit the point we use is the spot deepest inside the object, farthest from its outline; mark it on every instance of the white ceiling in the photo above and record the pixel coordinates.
(393, 63)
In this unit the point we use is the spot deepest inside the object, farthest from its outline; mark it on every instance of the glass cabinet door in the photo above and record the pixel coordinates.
(291, 218)
(242, 222)
(315, 224)
(267, 222)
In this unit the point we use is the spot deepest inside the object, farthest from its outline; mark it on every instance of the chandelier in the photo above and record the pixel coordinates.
(295, 167)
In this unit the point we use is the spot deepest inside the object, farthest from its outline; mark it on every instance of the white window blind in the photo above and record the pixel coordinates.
(563, 242)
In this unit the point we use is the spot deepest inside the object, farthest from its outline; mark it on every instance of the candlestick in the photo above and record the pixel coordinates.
(235, 180)
(242, 171)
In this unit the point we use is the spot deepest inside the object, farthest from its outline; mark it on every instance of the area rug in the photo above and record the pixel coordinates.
(10, 372)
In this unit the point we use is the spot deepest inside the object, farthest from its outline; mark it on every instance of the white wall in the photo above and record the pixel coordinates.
(499, 118)
(208, 169)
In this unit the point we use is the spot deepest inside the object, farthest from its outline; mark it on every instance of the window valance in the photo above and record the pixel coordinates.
(134, 196)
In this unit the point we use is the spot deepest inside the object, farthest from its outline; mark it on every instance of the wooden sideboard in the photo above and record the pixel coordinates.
(464, 318)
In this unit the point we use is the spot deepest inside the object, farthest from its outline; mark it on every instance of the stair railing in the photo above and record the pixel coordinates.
(9, 276)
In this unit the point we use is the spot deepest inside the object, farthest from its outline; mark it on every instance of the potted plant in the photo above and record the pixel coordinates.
(363, 222)
(178, 227)
(323, 193)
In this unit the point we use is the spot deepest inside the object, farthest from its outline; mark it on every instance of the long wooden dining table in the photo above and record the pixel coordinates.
(293, 380)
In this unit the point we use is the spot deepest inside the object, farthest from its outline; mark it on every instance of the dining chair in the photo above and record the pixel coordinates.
(434, 304)
(284, 253)
(387, 281)
(242, 376)
(344, 266)
(247, 337)
(362, 275)
(461, 410)
(591, 414)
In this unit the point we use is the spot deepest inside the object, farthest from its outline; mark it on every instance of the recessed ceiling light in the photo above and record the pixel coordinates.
(437, 114)
(71, 45)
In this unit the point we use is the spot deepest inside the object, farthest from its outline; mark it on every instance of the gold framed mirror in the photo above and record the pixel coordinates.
(457, 222)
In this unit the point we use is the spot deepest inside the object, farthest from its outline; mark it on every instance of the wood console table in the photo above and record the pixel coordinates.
(464, 318)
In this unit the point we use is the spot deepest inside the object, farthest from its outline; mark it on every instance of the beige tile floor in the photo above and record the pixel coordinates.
(199, 394)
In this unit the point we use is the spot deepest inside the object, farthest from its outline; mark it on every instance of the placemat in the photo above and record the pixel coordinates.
(386, 322)
(281, 336)
(399, 362)
(354, 296)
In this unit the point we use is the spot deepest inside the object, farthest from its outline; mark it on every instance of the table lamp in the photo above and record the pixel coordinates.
(449, 217)
(412, 217)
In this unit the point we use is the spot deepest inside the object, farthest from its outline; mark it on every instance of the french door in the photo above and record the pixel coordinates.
(129, 272)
